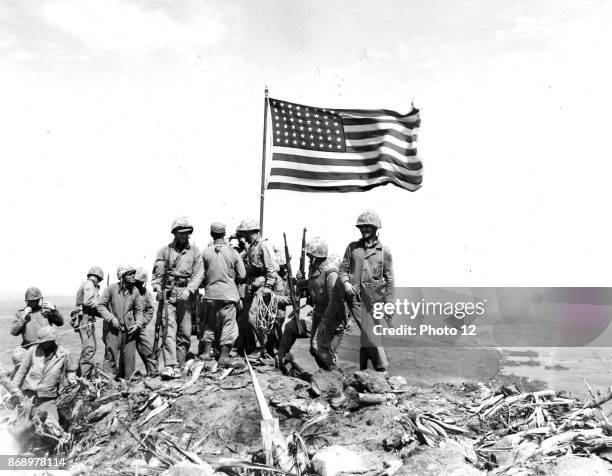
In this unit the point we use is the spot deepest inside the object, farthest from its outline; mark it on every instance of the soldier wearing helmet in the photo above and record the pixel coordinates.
(223, 269)
(283, 299)
(84, 317)
(144, 339)
(121, 308)
(178, 265)
(326, 296)
(262, 276)
(45, 369)
(366, 272)
(36, 314)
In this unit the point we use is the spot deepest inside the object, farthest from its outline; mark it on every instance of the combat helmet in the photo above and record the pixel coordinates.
(317, 247)
(182, 224)
(249, 224)
(124, 269)
(32, 294)
(96, 271)
(141, 275)
(369, 217)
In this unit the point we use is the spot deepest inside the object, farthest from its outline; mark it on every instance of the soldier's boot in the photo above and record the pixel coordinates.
(224, 358)
(206, 351)
(171, 373)
(225, 361)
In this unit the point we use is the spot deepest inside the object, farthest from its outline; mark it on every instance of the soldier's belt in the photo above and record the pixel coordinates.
(181, 282)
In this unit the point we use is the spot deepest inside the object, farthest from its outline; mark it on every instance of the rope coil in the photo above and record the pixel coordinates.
(266, 313)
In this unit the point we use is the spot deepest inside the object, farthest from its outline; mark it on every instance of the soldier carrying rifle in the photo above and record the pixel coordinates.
(83, 318)
(177, 273)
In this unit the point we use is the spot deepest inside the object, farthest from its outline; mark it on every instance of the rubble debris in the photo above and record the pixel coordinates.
(335, 459)
(211, 418)
(371, 381)
(185, 468)
(436, 462)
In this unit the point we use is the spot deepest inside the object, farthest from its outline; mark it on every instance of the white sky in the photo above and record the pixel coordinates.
(118, 116)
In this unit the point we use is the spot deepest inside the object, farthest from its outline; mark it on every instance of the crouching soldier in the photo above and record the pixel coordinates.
(366, 272)
(83, 319)
(325, 325)
(142, 334)
(177, 274)
(223, 268)
(121, 307)
(36, 314)
(45, 369)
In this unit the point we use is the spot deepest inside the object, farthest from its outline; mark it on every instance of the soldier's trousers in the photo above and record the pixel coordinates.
(220, 326)
(88, 346)
(371, 343)
(119, 353)
(325, 342)
(144, 347)
(274, 337)
(40, 406)
(246, 336)
(291, 333)
(178, 339)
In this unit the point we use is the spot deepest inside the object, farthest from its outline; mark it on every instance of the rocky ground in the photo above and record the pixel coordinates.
(354, 422)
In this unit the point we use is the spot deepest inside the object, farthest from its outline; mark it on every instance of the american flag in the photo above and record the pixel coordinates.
(342, 150)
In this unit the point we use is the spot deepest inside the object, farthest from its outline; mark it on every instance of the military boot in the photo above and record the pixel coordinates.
(224, 358)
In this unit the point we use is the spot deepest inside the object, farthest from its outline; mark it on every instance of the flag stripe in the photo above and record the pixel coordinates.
(308, 174)
(384, 139)
(305, 185)
(346, 155)
(415, 170)
(406, 151)
(298, 159)
(348, 121)
(376, 113)
(378, 127)
(377, 133)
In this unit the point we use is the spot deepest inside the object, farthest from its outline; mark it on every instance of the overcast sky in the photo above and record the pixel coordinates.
(118, 116)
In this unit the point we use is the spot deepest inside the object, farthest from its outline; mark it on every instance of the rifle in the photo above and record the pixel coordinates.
(303, 255)
(295, 303)
(162, 311)
(195, 307)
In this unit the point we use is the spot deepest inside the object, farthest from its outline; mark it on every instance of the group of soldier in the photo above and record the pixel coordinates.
(244, 308)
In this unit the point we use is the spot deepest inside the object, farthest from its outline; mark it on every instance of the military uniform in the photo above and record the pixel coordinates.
(42, 374)
(329, 317)
(325, 324)
(121, 308)
(370, 270)
(144, 339)
(283, 297)
(84, 323)
(222, 267)
(185, 271)
(28, 325)
(262, 273)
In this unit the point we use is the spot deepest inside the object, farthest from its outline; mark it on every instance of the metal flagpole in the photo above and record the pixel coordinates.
(263, 164)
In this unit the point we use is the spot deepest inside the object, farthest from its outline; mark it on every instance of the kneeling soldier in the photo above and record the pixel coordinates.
(46, 367)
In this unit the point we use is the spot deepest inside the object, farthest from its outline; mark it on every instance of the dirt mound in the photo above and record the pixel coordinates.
(211, 417)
